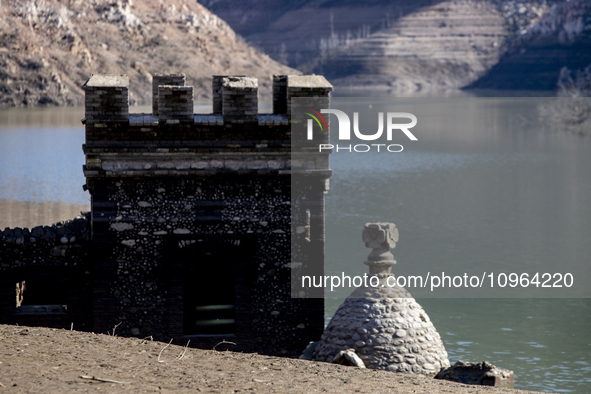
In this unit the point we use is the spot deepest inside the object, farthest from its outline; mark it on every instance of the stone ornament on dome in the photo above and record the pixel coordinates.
(376, 234)
(381, 237)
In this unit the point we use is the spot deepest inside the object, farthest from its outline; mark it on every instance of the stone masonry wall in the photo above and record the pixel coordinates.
(53, 262)
(175, 104)
(188, 210)
(161, 80)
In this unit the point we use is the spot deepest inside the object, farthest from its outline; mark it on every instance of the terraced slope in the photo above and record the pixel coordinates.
(399, 46)
(447, 45)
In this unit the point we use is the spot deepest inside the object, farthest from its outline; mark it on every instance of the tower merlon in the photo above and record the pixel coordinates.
(235, 107)
(175, 104)
(308, 86)
(106, 99)
(240, 99)
(164, 79)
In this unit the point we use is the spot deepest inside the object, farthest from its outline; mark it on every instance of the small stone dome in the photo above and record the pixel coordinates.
(385, 326)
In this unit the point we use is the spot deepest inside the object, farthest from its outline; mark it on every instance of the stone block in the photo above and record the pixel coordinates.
(175, 104)
(106, 98)
(239, 99)
(164, 79)
(484, 373)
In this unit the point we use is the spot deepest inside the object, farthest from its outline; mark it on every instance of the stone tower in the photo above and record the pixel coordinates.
(385, 326)
(191, 214)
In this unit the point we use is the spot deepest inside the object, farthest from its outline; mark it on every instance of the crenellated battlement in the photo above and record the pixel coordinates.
(173, 140)
(235, 102)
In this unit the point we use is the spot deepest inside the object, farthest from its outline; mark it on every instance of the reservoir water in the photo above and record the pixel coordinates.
(487, 195)
(492, 185)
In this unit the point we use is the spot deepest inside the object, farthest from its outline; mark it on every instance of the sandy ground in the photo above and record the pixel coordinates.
(44, 360)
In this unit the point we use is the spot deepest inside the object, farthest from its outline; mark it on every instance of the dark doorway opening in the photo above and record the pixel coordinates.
(42, 289)
(58, 297)
(209, 285)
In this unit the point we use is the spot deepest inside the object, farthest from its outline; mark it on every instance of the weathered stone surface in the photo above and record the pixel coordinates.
(348, 357)
(383, 323)
(37, 232)
(164, 79)
(309, 351)
(106, 99)
(484, 373)
(121, 226)
(236, 82)
(308, 81)
(107, 80)
(175, 103)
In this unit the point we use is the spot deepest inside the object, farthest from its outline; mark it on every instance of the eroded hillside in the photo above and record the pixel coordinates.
(48, 48)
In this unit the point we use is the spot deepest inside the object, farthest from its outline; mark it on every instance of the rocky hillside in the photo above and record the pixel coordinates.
(554, 52)
(48, 48)
(399, 46)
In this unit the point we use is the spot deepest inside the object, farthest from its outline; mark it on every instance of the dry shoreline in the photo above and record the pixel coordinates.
(45, 360)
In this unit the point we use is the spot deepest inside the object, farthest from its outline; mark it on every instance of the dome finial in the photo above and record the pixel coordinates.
(381, 237)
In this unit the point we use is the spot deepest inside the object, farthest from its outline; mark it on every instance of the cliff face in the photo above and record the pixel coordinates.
(551, 53)
(48, 48)
(399, 46)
